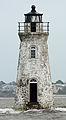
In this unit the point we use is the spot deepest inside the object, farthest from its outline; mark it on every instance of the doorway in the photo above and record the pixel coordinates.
(33, 92)
(33, 27)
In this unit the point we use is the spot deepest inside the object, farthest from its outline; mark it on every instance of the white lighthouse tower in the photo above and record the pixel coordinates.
(34, 86)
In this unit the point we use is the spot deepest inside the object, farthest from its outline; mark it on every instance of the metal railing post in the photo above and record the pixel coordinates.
(19, 26)
(47, 26)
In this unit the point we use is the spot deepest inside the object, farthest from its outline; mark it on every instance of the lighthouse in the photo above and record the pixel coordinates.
(33, 82)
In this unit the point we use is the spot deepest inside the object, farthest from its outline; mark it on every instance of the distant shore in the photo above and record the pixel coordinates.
(8, 89)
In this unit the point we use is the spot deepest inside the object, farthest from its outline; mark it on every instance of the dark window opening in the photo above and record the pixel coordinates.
(32, 52)
(33, 27)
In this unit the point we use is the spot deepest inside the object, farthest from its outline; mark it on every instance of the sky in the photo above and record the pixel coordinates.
(11, 12)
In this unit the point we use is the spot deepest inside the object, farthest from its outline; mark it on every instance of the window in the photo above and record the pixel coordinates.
(33, 80)
(33, 27)
(32, 52)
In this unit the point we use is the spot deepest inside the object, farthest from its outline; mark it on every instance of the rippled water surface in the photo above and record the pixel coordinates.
(6, 113)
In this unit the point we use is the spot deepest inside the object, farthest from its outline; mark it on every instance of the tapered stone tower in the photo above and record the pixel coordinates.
(34, 86)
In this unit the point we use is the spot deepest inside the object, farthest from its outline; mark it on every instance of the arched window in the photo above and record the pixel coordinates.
(33, 50)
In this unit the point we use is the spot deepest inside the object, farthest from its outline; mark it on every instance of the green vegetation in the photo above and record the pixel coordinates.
(23, 107)
(63, 91)
(59, 82)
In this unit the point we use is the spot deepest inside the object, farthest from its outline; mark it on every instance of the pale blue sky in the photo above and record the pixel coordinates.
(11, 12)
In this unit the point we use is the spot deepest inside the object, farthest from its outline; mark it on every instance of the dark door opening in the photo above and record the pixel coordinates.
(33, 27)
(33, 92)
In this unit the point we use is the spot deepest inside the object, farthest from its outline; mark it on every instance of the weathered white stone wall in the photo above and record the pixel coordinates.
(34, 68)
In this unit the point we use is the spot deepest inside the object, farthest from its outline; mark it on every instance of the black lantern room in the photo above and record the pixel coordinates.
(33, 16)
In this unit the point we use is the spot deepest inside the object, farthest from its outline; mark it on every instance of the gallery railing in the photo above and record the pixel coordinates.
(22, 26)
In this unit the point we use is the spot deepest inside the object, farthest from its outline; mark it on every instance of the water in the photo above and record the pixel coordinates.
(58, 113)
